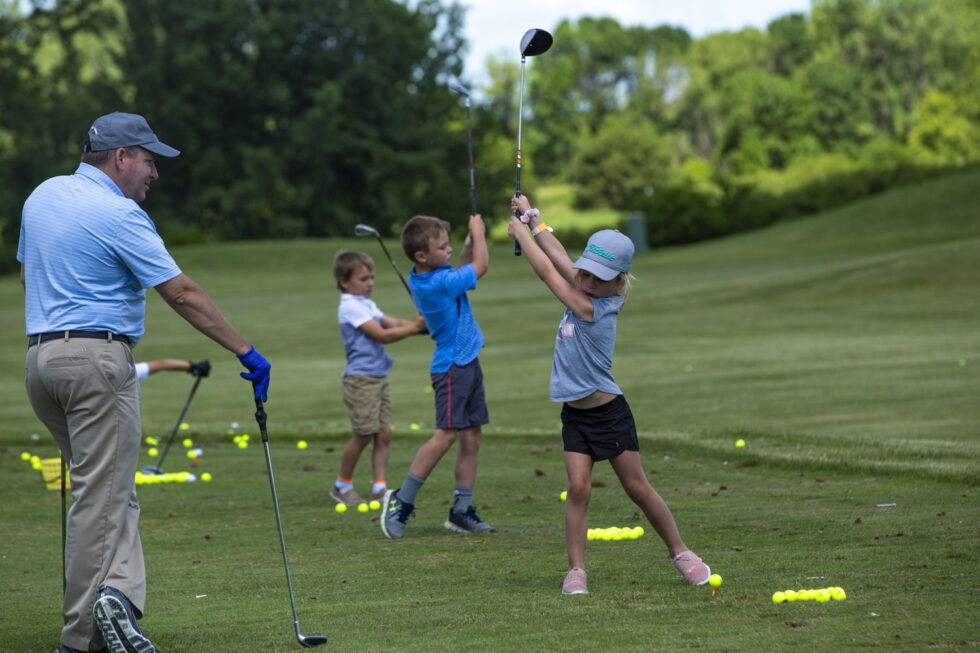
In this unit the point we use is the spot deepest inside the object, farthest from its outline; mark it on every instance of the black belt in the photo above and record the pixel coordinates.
(68, 335)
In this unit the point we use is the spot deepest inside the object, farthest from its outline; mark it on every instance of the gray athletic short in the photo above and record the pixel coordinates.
(602, 432)
(460, 400)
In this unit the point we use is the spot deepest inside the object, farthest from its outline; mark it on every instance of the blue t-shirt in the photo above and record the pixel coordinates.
(364, 355)
(584, 352)
(89, 254)
(440, 296)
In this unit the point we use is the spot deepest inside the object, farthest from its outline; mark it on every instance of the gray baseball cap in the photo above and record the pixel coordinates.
(608, 253)
(125, 130)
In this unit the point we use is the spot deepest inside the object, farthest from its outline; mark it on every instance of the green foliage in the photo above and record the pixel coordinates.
(619, 165)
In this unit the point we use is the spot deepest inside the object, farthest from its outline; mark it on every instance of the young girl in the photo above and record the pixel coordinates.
(596, 420)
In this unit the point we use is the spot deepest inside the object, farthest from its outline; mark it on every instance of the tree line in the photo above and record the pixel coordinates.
(301, 118)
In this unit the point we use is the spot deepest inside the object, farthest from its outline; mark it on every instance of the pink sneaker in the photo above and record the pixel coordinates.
(692, 569)
(574, 582)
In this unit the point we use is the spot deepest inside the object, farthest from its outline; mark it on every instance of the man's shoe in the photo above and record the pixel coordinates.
(694, 571)
(394, 515)
(467, 522)
(117, 621)
(350, 498)
(575, 582)
(68, 649)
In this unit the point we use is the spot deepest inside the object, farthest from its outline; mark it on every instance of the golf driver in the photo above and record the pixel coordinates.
(158, 469)
(534, 42)
(469, 142)
(362, 230)
(306, 641)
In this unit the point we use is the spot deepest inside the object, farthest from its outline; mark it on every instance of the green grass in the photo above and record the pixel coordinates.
(843, 348)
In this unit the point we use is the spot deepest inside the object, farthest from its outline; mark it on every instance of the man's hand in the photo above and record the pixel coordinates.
(258, 372)
(202, 368)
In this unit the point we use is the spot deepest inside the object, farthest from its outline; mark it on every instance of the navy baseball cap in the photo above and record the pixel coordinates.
(125, 130)
(608, 253)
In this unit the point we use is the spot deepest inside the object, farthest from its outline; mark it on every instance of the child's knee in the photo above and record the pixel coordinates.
(383, 437)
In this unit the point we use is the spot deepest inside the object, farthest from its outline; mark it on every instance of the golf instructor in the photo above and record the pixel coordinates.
(88, 252)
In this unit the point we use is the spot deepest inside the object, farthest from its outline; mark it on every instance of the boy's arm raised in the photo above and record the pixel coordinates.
(564, 289)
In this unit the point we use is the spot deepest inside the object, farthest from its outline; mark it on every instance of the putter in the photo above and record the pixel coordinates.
(469, 142)
(306, 641)
(534, 42)
(151, 469)
(362, 230)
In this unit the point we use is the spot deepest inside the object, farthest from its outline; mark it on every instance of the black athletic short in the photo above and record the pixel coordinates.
(460, 399)
(602, 432)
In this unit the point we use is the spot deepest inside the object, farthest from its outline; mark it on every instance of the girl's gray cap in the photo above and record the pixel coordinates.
(125, 130)
(608, 253)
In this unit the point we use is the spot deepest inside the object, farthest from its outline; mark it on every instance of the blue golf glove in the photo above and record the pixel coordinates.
(258, 372)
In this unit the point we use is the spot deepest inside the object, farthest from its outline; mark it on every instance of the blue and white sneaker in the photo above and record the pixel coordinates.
(467, 522)
(394, 515)
(117, 621)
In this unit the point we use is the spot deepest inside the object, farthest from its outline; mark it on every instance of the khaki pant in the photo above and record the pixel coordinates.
(85, 391)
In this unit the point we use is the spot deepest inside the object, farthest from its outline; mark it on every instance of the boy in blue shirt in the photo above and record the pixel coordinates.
(439, 293)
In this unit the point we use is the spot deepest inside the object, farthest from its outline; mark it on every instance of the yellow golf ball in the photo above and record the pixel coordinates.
(152, 441)
(188, 443)
(184, 426)
(375, 505)
(243, 444)
(362, 507)
(206, 476)
(714, 580)
(414, 427)
(152, 452)
(778, 597)
(564, 495)
(340, 507)
(301, 444)
(25, 456)
(740, 442)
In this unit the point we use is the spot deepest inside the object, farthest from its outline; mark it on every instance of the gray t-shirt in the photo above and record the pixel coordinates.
(584, 351)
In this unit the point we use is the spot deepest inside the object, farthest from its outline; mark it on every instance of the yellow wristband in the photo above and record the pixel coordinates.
(541, 227)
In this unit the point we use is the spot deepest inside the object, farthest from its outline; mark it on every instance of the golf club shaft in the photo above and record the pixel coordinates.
(260, 417)
(394, 265)
(173, 434)
(64, 526)
(520, 119)
(469, 147)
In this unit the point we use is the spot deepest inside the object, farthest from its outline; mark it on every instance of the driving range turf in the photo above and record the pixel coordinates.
(843, 348)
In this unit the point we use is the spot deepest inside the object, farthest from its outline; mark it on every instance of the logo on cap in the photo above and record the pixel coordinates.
(598, 251)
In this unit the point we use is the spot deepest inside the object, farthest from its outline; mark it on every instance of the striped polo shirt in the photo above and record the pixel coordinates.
(89, 254)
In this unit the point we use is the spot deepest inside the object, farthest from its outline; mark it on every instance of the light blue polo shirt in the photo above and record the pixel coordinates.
(89, 254)
(440, 296)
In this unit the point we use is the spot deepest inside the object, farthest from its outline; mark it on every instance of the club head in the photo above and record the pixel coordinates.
(361, 230)
(310, 641)
(150, 470)
(453, 86)
(534, 42)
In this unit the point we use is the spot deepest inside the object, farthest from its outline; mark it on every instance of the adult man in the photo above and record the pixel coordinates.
(88, 253)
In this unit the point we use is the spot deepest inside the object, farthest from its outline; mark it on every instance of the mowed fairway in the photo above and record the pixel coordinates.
(844, 349)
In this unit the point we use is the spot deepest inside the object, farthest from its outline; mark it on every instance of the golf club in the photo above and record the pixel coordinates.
(306, 641)
(534, 42)
(362, 230)
(64, 526)
(469, 141)
(158, 469)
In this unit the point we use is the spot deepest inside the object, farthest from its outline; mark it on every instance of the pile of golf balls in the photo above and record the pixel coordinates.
(820, 595)
(171, 477)
(615, 533)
